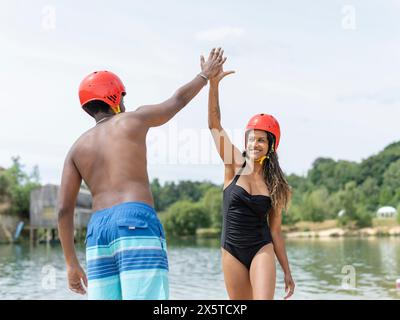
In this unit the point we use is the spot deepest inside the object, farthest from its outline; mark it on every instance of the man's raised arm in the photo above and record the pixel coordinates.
(158, 114)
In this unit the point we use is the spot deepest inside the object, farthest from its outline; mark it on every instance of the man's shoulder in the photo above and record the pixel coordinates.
(130, 120)
(82, 137)
(75, 146)
(130, 115)
(81, 141)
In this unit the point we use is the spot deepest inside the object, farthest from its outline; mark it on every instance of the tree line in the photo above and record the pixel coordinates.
(359, 189)
(330, 186)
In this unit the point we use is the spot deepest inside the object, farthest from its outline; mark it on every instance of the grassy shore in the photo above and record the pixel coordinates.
(331, 228)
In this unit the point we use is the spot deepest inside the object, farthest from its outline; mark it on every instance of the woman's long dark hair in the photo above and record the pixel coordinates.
(278, 187)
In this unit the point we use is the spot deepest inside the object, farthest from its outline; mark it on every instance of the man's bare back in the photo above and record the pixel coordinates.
(111, 159)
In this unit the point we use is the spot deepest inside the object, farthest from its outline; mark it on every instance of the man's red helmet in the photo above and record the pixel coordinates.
(265, 122)
(102, 85)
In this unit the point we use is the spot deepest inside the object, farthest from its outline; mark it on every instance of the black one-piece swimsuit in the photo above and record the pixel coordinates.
(245, 227)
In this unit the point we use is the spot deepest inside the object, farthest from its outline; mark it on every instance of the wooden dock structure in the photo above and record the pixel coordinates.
(43, 213)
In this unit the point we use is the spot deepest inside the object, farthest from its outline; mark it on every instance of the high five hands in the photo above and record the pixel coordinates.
(213, 67)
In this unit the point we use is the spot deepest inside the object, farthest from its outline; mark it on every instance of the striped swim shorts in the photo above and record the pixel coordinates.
(126, 254)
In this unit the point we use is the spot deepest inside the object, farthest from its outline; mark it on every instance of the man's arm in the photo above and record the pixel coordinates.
(70, 185)
(158, 114)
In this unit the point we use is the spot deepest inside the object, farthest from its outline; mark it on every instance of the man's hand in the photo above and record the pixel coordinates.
(158, 114)
(76, 276)
(214, 63)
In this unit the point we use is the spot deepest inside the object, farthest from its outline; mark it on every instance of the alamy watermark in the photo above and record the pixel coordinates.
(349, 17)
(49, 278)
(172, 145)
(49, 18)
(349, 278)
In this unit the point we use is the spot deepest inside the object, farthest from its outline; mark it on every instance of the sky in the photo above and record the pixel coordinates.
(327, 70)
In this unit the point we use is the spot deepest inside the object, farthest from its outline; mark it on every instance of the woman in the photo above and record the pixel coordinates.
(255, 192)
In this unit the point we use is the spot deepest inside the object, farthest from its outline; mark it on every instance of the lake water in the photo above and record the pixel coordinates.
(340, 268)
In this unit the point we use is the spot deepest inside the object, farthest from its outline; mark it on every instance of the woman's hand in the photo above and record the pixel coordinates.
(221, 73)
(212, 66)
(75, 277)
(289, 285)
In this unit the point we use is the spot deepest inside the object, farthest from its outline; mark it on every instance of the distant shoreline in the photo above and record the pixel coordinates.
(331, 229)
(341, 232)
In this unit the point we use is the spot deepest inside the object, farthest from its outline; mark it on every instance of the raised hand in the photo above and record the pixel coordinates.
(221, 73)
(214, 63)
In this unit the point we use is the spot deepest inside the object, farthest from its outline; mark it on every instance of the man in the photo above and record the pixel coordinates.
(125, 242)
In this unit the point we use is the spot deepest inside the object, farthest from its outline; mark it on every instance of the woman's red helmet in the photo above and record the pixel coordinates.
(265, 122)
(102, 85)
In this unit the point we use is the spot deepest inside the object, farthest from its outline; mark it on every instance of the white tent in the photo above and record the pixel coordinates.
(386, 212)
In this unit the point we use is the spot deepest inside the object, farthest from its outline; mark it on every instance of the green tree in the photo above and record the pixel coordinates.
(398, 214)
(212, 203)
(331, 174)
(345, 171)
(300, 184)
(391, 177)
(156, 191)
(4, 185)
(316, 205)
(16, 186)
(385, 196)
(376, 165)
(369, 193)
(293, 215)
(363, 217)
(322, 173)
(355, 210)
(170, 192)
(184, 217)
(391, 185)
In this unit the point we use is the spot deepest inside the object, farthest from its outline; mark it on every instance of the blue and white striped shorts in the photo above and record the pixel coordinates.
(126, 254)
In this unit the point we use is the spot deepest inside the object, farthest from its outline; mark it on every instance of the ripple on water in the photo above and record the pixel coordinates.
(196, 273)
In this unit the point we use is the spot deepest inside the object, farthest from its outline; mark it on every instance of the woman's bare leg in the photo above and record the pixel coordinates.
(237, 278)
(263, 273)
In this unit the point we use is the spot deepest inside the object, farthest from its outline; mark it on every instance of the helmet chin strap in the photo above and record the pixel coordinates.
(261, 160)
(118, 109)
